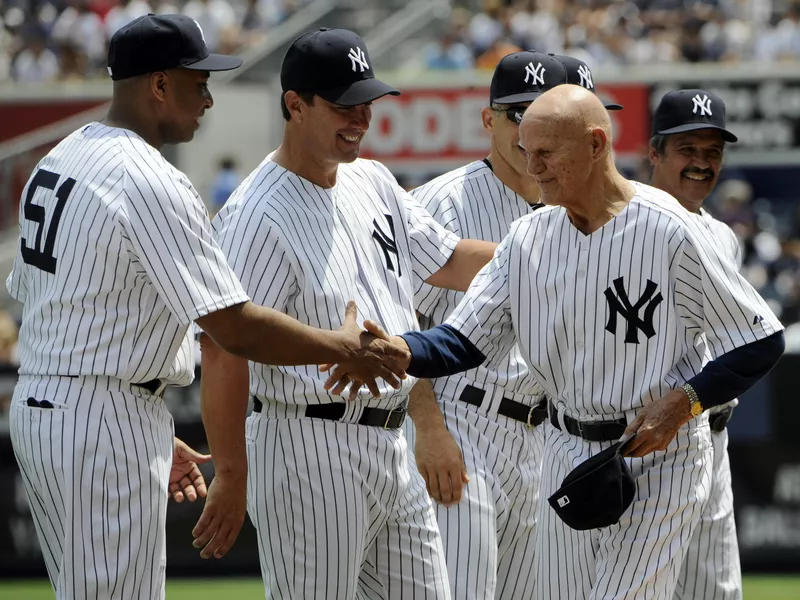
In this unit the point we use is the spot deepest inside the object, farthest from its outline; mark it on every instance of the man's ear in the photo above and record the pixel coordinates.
(487, 117)
(295, 105)
(159, 85)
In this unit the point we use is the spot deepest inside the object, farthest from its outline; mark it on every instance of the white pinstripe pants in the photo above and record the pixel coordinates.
(95, 469)
(711, 569)
(338, 513)
(489, 537)
(640, 556)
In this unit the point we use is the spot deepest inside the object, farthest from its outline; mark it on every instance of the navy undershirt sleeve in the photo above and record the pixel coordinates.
(735, 372)
(441, 351)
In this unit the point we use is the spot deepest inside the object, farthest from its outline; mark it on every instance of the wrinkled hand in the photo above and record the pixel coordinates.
(658, 423)
(185, 478)
(223, 515)
(376, 356)
(441, 465)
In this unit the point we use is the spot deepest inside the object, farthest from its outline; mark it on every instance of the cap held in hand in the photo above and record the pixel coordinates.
(597, 492)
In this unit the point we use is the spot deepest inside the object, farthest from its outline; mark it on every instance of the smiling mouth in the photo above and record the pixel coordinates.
(350, 139)
(698, 176)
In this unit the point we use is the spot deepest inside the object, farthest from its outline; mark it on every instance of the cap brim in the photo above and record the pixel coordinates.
(726, 135)
(514, 98)
(612, 106)
(359, 92)
(216, 62)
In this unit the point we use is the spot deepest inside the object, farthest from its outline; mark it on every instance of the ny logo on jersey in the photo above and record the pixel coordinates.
(586, 77)
(620, 304)
(535, 73)
(358, 59)
(702, 104)
(387, 244)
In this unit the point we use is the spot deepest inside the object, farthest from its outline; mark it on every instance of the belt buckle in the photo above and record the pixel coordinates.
(530, 416)
(388, 418)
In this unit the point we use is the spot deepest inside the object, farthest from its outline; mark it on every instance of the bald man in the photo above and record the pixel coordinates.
(624, 283)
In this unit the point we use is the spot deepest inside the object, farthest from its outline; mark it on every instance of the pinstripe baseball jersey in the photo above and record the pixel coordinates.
(364, 239)
(116, 259)
(617, 311)
(473, 203)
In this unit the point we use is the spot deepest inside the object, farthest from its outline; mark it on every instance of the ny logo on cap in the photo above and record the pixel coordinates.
(563, 501)
(702, 104)
(535, 73)
(586, 77)
(358, 58)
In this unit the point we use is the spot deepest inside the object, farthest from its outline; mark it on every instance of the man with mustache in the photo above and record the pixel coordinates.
(327, 483)
(686, 151)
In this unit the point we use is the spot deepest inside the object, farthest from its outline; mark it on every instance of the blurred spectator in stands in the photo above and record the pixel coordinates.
(123, 13)
(225, 182)
(35, 63)
(500, 48)
(448, 52)
(487, 27)
(81, 31)
(534, 25)
(6, 48)
(217, 19)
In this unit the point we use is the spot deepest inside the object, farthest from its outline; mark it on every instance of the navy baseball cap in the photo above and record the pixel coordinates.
(334, 65)
(597, 492)
(154, 43)
(579, 73)
(524, 76)
(690, 110)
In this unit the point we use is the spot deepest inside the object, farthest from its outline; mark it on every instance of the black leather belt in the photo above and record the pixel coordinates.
(719, 420)
(151, 386)
(334, 411)
(591, 431)
(530, 415)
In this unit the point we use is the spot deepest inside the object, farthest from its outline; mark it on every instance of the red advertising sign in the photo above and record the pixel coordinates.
(431, 129)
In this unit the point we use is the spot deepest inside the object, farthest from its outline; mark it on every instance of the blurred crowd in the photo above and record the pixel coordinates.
(54, 40)
(619, 32)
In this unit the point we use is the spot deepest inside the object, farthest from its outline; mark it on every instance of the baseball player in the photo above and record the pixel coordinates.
(624, 282)
(116, 260)
(492, 412)
(339, 513)
(686, 152)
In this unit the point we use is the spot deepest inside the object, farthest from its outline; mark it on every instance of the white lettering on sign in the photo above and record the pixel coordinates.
(787, 484)
(427, 126)
(768, 526)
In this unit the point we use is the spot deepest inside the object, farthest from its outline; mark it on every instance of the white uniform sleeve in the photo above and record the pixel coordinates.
(431, 244)
(256, 251)
(713, 296)
(14, 283)
(428, 297)
(166, 229)
(484, 314)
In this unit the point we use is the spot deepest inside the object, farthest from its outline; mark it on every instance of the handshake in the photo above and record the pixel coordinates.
(371, 352)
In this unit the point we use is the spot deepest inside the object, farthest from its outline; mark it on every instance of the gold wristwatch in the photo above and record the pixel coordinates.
(694, 402)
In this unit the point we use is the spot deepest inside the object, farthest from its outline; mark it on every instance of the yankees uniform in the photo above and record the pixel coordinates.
(116, 260)
(612, 333)
(339, 514)
(489, 536)
(711, 568)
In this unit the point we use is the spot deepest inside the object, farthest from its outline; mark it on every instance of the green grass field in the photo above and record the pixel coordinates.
(755, 588)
